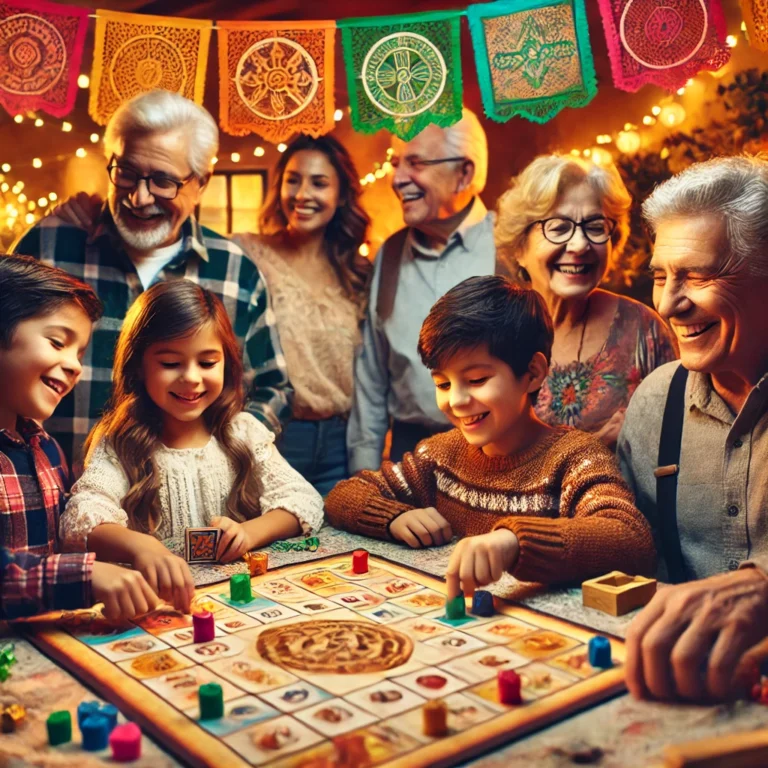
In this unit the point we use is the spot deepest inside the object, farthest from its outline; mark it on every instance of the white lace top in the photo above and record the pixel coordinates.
(194, 487)
(319, 332)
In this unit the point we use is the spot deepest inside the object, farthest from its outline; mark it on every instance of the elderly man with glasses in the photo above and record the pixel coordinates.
(448, 237)
(160, 149)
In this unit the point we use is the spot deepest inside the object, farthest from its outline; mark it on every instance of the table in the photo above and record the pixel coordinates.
(619, 733)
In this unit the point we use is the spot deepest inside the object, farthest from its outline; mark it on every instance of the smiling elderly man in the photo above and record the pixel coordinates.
(695, 440)
(448, 237)
(160, 149)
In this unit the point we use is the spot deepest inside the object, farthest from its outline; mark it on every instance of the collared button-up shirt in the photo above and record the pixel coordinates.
(722, 485)
(34, 481)
(205, 258)
(390, 379)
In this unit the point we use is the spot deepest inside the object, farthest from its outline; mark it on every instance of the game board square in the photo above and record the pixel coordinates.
(130, 647)
(164, 619)
(180, 637)
(421, 628)
(316, 579)
(237, 622)
(281, 590)
(334, 717)
(431, 682)
(393, 586)
(423, 601)
(386, 613)
(180, 688)
(502, 630)
(238, 714)
(359, 600)
(344, 569)
(218, 648)
(484, 664)
(439, 649)
(298, 695)
(575, 661)
(252, 675)
(314, 606)
(385, 699)
(155, 664)
(266, 741)
(543, 644)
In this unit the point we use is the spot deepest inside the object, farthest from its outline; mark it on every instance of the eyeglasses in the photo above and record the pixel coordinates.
(560, 229)
(417, 164)
(158, 184)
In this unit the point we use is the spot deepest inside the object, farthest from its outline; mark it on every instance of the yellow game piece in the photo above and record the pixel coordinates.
(13, 716)
(616, 593)
(258, 563)
(435, 718)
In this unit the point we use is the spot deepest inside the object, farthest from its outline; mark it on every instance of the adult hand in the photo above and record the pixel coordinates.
(167, 574)
(688, 641)
(234, 542)
(125, 593)
(421, 528)
(80, 210)
(609, 432)
(480, 560)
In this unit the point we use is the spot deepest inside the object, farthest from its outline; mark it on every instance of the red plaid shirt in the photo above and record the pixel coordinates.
(34, 481)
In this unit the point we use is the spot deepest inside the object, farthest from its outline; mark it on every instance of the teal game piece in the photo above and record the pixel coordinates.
(211, 701)
(59, 725)
(95, 732)
(240, 588)
(600, 652)
(456, 609)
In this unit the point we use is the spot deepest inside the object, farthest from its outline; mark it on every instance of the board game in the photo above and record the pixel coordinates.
(325, 667)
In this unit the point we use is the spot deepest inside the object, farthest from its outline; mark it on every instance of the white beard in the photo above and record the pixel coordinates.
(146, 240)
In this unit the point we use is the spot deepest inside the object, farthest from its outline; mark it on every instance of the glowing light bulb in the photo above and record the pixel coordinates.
(30, 218)
(83, 81)
(628, 142)
(370, 178)
(655, 110)
(258, 152)
(364, 250)
(80, 152)
(37, 162)
(42, 202)
(214, 161)
(18, 119)
(235, 157)
(22, 198)
(39, 123)
(6, 167)
(95, 138)
(53, 197)
(66, 127)
(731, 41)
(282, 147)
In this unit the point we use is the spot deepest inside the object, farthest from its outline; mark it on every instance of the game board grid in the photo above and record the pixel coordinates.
(474, 695)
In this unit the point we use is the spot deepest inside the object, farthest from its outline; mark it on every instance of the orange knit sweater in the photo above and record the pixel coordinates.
(564, 499)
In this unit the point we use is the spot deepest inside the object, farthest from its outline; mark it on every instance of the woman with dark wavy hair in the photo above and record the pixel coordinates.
(311, 229)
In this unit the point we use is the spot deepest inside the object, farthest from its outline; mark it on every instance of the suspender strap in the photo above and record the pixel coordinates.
(666, 475)
(391, 257)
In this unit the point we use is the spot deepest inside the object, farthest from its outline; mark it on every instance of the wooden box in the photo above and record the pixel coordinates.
(616, 593)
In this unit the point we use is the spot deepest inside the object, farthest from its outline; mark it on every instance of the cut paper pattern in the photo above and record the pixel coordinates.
(276, 79)
(41, 49)
(135, 53)
(663, 42)
(533, 57)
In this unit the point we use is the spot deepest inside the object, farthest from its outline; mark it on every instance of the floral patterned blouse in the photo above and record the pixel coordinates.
(586, 394)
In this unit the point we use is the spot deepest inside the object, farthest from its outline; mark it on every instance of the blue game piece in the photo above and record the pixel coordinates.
(110, 712)
(482, 603)
(600, 652)
(95, 732)
(86, 709)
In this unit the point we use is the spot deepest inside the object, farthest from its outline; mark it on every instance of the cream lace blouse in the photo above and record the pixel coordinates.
(194, 487)
(319, 332)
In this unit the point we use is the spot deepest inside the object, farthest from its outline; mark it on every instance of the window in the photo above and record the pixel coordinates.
(232, 201)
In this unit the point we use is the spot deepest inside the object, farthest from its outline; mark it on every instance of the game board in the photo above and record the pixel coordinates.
(325, 668)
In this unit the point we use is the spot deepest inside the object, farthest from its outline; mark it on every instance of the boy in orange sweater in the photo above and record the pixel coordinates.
(544, 503)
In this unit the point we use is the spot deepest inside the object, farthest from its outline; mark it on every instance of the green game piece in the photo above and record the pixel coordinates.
(240, 588)
(211, 701)
(59, 726)
(6, 654)
(4, 672)
(455, 609)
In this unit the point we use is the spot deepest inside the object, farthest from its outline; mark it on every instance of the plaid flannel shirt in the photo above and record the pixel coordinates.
(34, 482)
(207, 259)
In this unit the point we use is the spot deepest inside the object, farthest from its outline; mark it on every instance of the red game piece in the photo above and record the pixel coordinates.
(203, 628)
(359, 561)
(764, 695)
(756, 692)
(125, 741)
(509, 687)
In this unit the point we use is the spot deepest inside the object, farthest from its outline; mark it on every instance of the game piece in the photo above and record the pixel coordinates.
(7, 656)
(95, 732)
(755, 692)
(435, 719)
(12, 717)
(359, 561)
(258, 563)
(201, 544)
(482, 603)
(509, 686)
(240, 588)
(4, 672)
(600, 652)
(763, 698)
(211, 701)
(455, 609)
(746, 750)
(110, 712)
(59, 725)
(616, 593)
(203, 627)
(86, 709)
(125, 741)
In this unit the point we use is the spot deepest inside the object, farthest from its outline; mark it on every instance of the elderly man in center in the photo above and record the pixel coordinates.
(448, 237)
(694, 446)
(160, 149)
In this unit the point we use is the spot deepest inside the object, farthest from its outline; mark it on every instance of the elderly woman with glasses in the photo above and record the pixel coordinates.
(561, 225)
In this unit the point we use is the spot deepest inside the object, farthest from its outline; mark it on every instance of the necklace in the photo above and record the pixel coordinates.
(584, 320)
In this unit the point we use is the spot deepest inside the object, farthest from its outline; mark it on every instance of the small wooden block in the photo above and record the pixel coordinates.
(435, 719)
(736, 750)
(258, 563)
(616, 593)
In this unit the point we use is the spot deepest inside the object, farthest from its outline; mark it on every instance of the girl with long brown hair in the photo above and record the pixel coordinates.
(174, 448)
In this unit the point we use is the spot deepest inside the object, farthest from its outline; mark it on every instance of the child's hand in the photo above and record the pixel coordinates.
(421, 528)
(125, 593)
(480, 560)
(235, 541)
(167, 574)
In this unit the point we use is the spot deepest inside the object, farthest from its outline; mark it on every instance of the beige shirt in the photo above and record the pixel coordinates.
(319, 331)
(722, 487)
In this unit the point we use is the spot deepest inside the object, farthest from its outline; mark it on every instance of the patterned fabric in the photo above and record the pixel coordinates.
(41, 48)
(586, 394)
(563, 498)
(755, 13)
(136, 53)
(663, 43)
(403, 72)
(276, 78)
(205, 258)
(533, 57)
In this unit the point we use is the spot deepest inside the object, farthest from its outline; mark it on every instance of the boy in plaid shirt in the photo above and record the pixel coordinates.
(45, 326)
